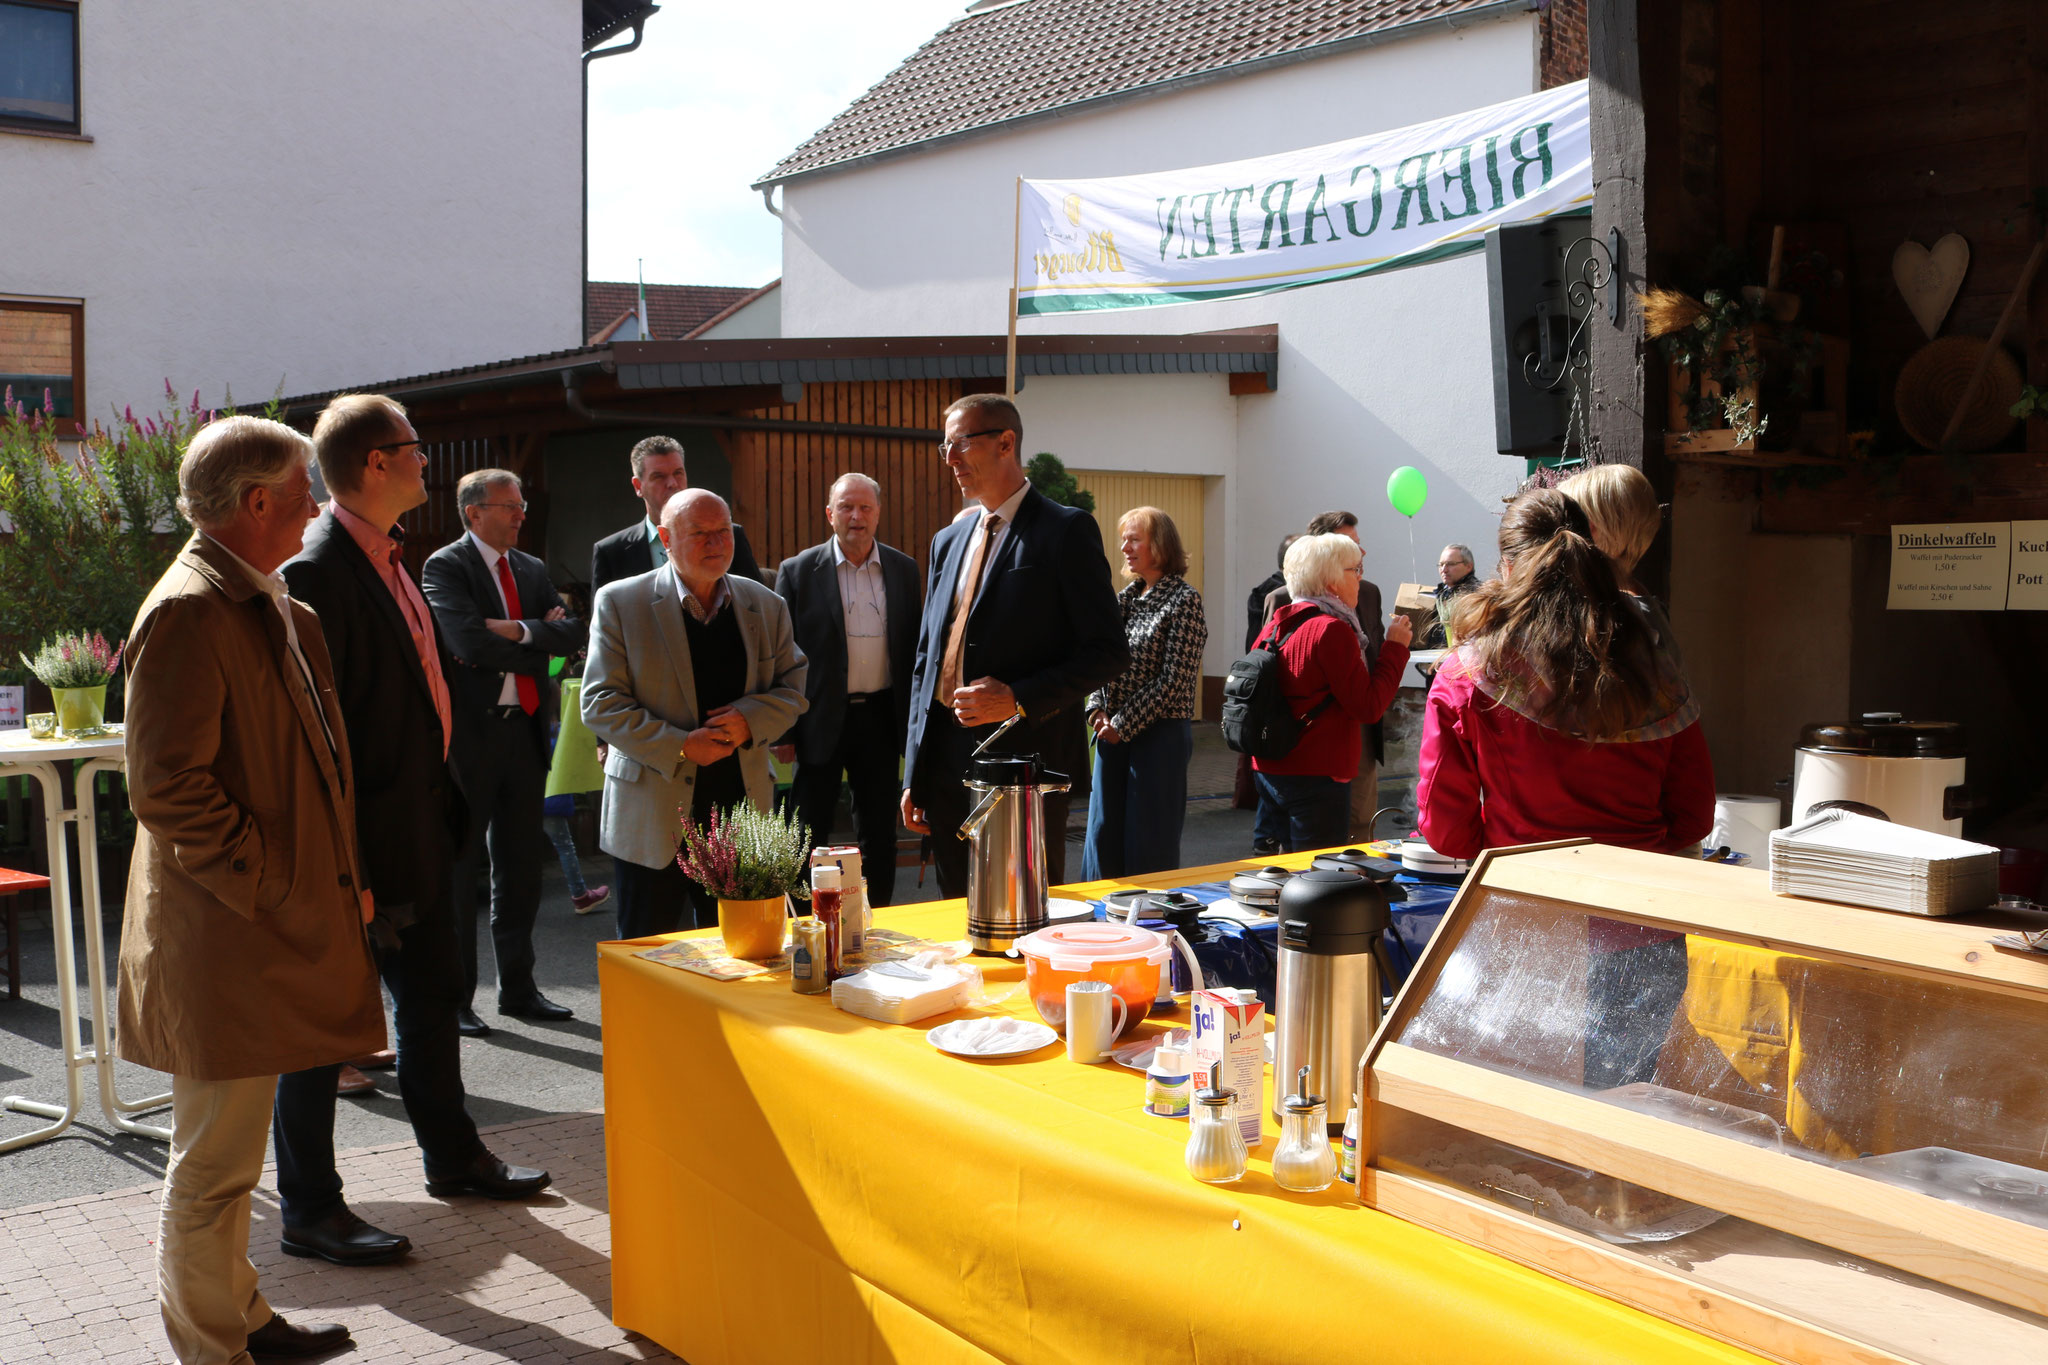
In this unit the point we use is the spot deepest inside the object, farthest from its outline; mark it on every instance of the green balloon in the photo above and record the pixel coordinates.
(1407, 490)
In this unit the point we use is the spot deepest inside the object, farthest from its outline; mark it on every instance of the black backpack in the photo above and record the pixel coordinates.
(1256, 719)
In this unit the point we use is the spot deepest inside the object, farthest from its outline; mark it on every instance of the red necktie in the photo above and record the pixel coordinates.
(529, 690)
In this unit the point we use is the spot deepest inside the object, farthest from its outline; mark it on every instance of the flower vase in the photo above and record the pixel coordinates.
(80, 710)
(752, 929)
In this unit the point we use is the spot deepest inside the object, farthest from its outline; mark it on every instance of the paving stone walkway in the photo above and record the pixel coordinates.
(486, 1281)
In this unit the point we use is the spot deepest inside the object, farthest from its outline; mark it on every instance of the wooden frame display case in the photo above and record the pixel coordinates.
(1818, 1132)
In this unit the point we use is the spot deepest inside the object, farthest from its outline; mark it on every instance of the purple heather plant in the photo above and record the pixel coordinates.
(742, 854)
(85, 660)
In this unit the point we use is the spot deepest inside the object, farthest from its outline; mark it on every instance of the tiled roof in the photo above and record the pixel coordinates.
(673, 310)
(1013, 59)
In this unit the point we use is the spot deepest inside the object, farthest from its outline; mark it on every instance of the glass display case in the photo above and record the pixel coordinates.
(1816, 1131)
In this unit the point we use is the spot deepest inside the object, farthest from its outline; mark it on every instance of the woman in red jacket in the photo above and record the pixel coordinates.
(1561, 715)
(1326, 678)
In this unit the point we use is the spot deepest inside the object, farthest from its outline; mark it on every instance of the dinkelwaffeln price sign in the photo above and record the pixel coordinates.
(1956, 566)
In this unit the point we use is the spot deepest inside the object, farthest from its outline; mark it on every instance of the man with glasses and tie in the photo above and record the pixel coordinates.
(854, 603)
(504, 622)
(1019, 616)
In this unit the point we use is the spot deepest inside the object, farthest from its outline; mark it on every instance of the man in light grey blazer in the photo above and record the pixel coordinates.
(693, 673)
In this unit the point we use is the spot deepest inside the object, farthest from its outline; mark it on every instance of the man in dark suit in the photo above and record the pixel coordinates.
(503, 622)
(658, 475)
(390, 671)
(854, 603)
(1018, 616)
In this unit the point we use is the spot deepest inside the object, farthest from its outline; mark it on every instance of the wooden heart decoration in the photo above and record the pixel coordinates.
(1929, 278)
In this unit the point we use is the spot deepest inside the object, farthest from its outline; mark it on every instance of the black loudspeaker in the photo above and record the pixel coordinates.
(1534, 323)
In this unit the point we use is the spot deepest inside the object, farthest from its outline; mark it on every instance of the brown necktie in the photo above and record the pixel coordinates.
(963, 603)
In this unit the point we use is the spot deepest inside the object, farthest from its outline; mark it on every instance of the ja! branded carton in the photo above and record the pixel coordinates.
(1230, 1025)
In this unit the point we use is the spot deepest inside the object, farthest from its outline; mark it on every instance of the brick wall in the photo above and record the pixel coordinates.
(1564, 42)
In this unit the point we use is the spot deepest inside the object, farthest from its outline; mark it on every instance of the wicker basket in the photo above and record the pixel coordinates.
(1931, 384)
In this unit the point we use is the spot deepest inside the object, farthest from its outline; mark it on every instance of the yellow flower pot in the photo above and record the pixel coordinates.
(80, 710)
(752, 929)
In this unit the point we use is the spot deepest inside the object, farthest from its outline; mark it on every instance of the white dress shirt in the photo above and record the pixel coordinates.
(508, 687)
(272, 585)
(865, 602)
(1007, 510)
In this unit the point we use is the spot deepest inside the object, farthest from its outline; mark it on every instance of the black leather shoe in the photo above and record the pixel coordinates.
(469, 1026)
(279, 1340)
(535, 1006)
(492, 1179)
(344, 1239)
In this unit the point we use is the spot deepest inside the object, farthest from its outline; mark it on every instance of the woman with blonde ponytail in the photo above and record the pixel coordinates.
(1560, 714)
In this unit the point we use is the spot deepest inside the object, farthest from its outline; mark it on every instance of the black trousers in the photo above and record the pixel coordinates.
(947, 803)
(505, 778)
(870, 754)
(424, 976)
(660, 900)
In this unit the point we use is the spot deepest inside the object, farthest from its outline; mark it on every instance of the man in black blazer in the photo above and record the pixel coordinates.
(390, 672)
(854, 604)
(658, 475)
(503, 622)
(1018, 616)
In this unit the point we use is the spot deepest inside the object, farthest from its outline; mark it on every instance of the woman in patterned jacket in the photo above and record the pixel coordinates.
(1143, 719)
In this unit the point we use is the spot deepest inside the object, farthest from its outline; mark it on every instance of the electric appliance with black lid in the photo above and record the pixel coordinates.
(1907, 771)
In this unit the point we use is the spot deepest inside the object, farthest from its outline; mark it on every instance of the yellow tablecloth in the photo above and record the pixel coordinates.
(791, 1183)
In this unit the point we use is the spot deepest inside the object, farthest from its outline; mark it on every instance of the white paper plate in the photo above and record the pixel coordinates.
(1032, 1038)
(1058, 908)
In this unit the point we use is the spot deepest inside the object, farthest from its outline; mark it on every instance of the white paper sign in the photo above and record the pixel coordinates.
(13, 701)
(1356, 207)
(1953, 566)
(2029, 567)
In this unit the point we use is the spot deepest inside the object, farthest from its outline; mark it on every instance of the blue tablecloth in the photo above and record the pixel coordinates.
(1247, 955)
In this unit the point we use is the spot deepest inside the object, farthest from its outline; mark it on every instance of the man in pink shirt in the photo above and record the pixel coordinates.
(390, 670)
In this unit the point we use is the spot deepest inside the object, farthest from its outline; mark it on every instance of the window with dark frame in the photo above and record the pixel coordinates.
(42, 357)
(39, 65)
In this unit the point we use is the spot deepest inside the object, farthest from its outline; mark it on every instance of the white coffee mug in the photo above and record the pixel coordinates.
(1092, 1026)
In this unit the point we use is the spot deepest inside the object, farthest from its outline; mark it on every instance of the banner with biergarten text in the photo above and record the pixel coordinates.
(1357, 207)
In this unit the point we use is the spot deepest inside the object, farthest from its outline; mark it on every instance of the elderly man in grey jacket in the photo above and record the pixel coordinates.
(693, 673)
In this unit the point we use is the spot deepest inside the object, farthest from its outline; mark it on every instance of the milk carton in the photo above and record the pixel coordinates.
(1230, 1026)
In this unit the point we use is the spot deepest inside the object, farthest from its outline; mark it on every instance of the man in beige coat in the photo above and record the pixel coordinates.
(244, 952)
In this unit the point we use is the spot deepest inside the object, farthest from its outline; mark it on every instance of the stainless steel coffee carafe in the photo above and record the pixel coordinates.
(1006, 877)
(1332, 954)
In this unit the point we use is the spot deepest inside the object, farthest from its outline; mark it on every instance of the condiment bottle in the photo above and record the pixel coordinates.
(825, 904)
(1303, 1161)
(1216, 1153)
(1168, 1083)
(1347, 1159)
(807, 958)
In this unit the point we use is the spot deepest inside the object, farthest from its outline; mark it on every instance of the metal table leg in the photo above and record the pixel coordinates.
(57, 815)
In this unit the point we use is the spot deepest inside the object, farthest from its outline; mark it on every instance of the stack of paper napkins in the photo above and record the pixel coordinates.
(906, 991)
(1853, 859)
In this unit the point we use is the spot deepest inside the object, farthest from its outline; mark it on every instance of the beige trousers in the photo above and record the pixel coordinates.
(205, 1285)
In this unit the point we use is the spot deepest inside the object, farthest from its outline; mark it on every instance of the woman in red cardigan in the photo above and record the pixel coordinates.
(1325, 677)
(1561, 715)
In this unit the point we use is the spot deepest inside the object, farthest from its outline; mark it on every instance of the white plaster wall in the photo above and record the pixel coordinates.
(759, 320)
(1374, 373)
(315, 195)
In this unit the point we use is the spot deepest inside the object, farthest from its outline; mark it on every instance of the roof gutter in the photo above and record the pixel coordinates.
(639, 22)
(721, 422)
(1379, 37)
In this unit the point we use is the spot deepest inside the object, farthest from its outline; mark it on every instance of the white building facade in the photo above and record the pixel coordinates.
(301, 195)
(1374, 373)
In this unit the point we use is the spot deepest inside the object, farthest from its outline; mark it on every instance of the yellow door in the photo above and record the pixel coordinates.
(1180, 496)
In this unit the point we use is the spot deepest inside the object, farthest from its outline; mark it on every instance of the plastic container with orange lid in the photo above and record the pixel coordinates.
(1127, 956)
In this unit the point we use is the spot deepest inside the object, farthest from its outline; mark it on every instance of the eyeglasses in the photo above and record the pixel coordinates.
(947, 447)
(418, 449)
(722, 533)
(510, 506)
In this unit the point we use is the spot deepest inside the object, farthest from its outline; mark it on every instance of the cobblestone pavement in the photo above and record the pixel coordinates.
(486, 1281)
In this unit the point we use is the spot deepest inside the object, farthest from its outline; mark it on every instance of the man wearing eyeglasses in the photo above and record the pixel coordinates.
(390, 672)
(1019, 616)
(855, 604)
(504, 622)
(658, 475)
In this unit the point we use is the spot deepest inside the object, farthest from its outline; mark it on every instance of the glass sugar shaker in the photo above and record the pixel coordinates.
(1216, 1153)
(1303, 1161)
